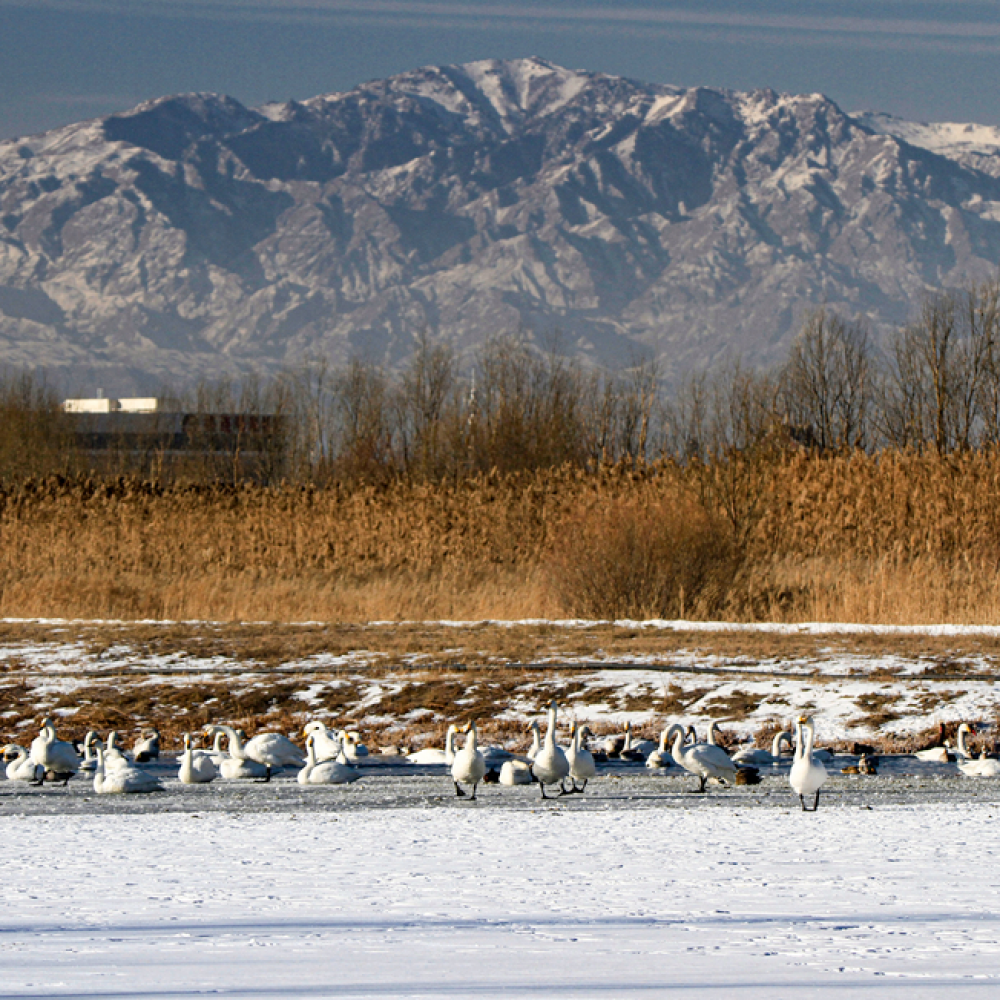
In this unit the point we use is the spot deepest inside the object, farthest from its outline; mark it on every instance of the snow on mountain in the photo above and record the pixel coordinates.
(192, 236)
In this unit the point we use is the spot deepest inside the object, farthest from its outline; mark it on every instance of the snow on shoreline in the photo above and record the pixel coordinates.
(430, 903)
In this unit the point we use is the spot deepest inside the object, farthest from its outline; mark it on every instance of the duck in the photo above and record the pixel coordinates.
(21, 767)
(147, 747)
(197, 766)
(325, 744)
(660, 757)
(325, 772)
(515, 772)
(747, 775)
(581, 760)
(550, 765)
(758, 756)
(55, 756)
(123, 780)
(236, 766)
(469, 765)
(433, 755)
(807, 774)
(981, 767)
(704, 760)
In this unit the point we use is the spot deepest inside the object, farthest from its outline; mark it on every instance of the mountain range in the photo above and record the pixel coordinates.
(610, 219)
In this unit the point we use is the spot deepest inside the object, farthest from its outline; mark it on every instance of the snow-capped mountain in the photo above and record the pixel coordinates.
(192, 235)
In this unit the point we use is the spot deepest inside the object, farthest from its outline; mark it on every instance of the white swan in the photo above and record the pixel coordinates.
(536, 741)
(326, 746)
(324, 772)
(274, 750)
(704, 760)
(550, 765)
(147, 747)
(56, 756)
(434, 755)
(581, 760)
(715, 737)
(941, 752)
(113, 756)
(358, 749)
(635, 750)
(757, 755)
(89, 762)
(983, 767)
(22, 767)
(217, 754)
(660, 757)
(515, 772)
(807, 774)
(237, 766)
(125, 779)
(469, 765)
(197, 766)
(962, 749)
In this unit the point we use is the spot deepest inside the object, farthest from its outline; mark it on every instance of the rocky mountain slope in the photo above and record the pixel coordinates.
(193, 236)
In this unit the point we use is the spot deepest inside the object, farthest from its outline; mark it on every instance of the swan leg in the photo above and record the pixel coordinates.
(541, 785)
(474, 787)
(701, 787)
(803, 801)
(580, 790)
(458, 791)
(816, 801)
(563, 790)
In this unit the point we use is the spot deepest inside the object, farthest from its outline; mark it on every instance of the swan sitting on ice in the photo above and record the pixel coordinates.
(21, 766)
(757, 755)
(55, 756)
(197, 766)
(983, 767)
(325, 772)
(433, 755)
(326, 746)
(125, 779)
(807, 774)
(113, 756)
(147, 747)
(469, 766)
(550, 765)
(581, 760)
(515, 772)
(660, 757)
(704, 760)
(89, 762)
(236, 766)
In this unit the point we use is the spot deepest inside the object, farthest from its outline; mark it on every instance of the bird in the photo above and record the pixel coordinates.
(56, 756)
(962, 749)
(469, 766)
(536, 740)
(581, 760)
(550, 765)
(434, 755)
(274, 750)
(21, 767)
(325, 744)
(704, 760)
(807, 774)
(236, 766)
(324, 772)
(937, 751)
(758, 755)
(515, 772)
(981, 767)
(124, 779)
(89, 762)
(635, 750)
(147, 747)
(660, 757)
(747, 775)
(197, 766)
(217, 753)
(113, 756)
(358, 749)
(715, 737)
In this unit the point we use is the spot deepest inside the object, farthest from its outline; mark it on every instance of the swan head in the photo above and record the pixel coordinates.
(312, 727)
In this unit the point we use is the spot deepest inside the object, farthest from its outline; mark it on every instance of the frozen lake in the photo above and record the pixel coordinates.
(392, 888)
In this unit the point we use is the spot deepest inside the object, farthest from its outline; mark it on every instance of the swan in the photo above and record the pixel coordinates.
(326, 746)
(217, 754)
(937, 752)
(984, 767)
(325, 772)
(272, 749)
(22, 767)
(757, 755)
(660, 757)
(581, 760)
(89, 762)
(704, 760)
(715, 737)
(550, 765)
(962, 750)
(147, 748)
(197, 766)
(358, 749)
(469, 765)
(807, 774)
(433, 755)
(536, 741)
(113, 757)
(515, 772)
(237, 766)
(54, 755)
(124, 779)
(635, 750)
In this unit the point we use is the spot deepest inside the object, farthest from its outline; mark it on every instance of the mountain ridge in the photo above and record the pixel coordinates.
(192, 236)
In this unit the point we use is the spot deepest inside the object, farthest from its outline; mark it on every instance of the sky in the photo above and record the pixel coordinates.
(66, 60)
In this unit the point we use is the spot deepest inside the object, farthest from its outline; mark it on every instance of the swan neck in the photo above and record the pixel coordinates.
(808, 736)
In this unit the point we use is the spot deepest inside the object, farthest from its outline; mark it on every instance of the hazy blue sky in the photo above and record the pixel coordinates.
(65, 60)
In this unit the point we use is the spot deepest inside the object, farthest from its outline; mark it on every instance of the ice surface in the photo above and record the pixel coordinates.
(472, 901)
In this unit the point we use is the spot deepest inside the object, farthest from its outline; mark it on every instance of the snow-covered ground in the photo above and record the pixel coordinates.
(475, 902)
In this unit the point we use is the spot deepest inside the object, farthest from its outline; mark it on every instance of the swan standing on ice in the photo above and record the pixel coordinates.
(433, 755)
(581, 760)
(55, 756)
(125, 779)
(197, 766)
(660, 757)
(22, 767)
(274, 750)
(550, 765)
(704, 760)
(325, 772)
(469, 766)
(807, 774)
